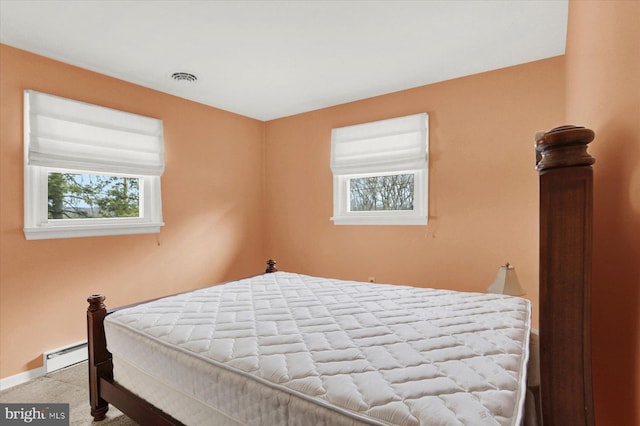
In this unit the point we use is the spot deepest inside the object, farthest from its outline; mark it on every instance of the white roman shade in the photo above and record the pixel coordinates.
(395, 144)
(67, 134)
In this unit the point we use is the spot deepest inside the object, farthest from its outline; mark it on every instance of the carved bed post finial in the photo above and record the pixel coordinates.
(563, 146)
(96, 302)
(271, 266)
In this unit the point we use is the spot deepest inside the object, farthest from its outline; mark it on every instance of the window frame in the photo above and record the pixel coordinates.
(343, 215)
(67, 136)
(416, 164)
(38, 226)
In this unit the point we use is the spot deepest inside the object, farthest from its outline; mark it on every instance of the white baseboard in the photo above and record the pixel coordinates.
(17, 379)
(52, 361)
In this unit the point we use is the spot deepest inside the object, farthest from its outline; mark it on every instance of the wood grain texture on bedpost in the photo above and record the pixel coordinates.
(99, 357)
(566, 216)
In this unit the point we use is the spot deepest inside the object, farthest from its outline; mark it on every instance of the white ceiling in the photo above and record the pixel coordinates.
(269, 59)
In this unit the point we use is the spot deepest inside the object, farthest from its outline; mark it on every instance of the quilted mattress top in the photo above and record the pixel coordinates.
(392, 354)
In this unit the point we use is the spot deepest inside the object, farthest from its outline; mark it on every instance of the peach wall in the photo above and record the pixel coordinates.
(211, 204)
(483, 187)
(603, 92)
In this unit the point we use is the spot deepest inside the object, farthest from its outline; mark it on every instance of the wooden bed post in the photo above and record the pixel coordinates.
(102, 387)
(271, 266)
(99, 357)
(566, 216)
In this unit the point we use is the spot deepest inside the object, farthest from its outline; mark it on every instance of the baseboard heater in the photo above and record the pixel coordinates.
(65, 356)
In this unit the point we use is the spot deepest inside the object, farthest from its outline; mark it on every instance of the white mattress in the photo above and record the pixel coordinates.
(289, 349)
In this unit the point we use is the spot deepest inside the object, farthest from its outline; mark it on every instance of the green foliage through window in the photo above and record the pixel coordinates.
(74, 196)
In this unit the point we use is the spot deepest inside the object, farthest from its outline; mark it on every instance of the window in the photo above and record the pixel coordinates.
(89, 170)
(380, 172)
(78, 196)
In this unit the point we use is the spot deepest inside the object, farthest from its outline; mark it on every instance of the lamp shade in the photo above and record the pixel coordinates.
(506, 282)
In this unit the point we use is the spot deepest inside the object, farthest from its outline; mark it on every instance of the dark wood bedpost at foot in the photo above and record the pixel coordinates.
(566, 216)
(99, 357)
(271, 266)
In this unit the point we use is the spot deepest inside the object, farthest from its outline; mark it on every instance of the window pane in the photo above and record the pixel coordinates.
(80, 196)
(391, 192)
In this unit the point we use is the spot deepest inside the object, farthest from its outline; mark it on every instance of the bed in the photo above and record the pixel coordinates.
(286, 348)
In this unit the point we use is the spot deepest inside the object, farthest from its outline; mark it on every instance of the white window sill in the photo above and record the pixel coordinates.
(49, 231)
(377, 220)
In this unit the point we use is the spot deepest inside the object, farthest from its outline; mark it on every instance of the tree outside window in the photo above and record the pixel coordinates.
(393, 192)
(77, 196)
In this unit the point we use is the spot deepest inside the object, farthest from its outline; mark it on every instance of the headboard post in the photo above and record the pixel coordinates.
(566, 216)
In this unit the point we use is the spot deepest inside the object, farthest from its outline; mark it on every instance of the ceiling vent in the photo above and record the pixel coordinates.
(184, 77)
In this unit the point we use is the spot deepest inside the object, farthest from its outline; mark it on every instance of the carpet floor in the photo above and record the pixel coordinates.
(69, 385)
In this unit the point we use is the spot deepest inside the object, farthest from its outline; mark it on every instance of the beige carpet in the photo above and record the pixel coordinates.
(69, 385)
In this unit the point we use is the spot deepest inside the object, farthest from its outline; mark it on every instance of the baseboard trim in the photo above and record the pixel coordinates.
(18, 379)
(54, 360)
